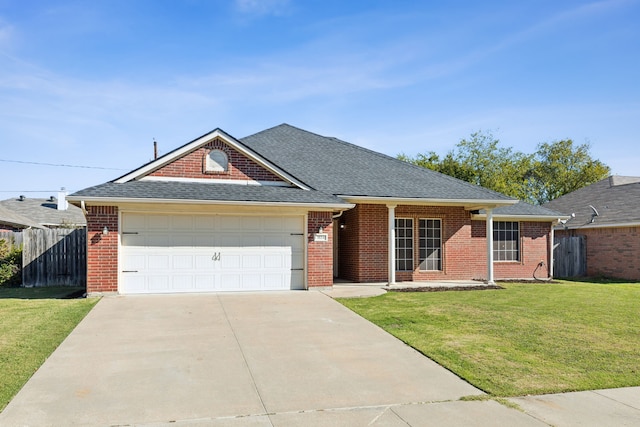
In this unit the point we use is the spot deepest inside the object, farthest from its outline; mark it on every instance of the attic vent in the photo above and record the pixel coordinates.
(216, 161)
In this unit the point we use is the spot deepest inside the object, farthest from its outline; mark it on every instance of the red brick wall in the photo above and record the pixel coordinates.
(534, 247)
(611, 252)
(363, 246)
(102, 251)
(192, 165)
(320, 254)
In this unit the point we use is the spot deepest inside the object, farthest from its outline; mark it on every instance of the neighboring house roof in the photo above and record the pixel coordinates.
(44, 212)
(611, 202)
(15, 220)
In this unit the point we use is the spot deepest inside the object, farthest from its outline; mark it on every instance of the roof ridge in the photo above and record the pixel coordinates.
(385, 156)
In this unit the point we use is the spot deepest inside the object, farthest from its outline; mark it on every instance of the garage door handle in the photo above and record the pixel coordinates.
(297, 269)
(129, 271)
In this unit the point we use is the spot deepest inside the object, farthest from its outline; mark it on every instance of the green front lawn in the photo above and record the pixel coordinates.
(33, 322)
(525, 339)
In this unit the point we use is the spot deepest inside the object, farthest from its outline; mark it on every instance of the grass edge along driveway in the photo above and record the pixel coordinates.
(33, 323)
(532, 338)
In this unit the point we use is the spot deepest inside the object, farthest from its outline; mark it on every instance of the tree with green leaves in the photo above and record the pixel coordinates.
(555, 169)
(561, 167)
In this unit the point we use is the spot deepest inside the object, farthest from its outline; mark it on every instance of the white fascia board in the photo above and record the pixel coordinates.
(203, 140)
(588, 226)
(114, 201)
(217, 181)
(530, 218)
(466, 203)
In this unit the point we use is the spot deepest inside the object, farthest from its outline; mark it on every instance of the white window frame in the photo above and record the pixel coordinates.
(506, 241)
(404, 244)
(217, 161)
(428, 262)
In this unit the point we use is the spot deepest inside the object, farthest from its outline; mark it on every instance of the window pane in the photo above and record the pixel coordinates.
(506, 241)
(430, 248)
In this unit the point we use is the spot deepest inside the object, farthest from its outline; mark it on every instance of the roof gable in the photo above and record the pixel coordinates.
(189, 163)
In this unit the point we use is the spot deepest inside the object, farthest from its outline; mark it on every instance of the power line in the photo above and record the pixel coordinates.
(60, 165)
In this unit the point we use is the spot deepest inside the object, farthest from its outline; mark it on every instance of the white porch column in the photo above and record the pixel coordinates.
(490, 280)
(392, 244)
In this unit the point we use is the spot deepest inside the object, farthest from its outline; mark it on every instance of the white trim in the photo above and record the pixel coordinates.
(489, 223)
(115, 201)
(217, 181)
(588, 226)
(467, 203)
(512, 217)
(305, 230)
(203, 140)
(391, 246)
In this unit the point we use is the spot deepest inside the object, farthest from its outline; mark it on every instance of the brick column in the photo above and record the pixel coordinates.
(319, 254)
(102, 249)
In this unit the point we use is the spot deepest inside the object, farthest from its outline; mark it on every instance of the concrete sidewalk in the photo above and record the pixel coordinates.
(252, 359)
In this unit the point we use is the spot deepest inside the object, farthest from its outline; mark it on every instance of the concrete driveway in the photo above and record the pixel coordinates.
(258, 359)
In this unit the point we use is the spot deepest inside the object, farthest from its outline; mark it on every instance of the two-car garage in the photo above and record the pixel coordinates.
(176, 253)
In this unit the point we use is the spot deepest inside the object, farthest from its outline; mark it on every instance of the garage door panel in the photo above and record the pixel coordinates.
(182, 262)
(205, 282)
(251, 261)
(181, 282)
(158, 222)
(199, 253)
(158, 283)
(182, 223)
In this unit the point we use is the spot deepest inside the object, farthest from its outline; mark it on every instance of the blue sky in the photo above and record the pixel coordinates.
(92, 83)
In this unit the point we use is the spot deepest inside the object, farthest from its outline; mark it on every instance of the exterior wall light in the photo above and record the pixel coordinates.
(105, 231)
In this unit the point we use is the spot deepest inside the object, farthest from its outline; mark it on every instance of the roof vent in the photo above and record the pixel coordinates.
(52, 199)
(21, 198)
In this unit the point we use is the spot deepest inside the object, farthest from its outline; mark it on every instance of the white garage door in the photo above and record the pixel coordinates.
(201, 253)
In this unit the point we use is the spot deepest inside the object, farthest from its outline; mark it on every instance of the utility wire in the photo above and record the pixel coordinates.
(60, 165)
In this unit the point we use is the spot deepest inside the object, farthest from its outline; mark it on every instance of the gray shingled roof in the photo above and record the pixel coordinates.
(337, 167)
(616, 199)
(522, 208)
(172, 190)
(45, 212)
(16, 220)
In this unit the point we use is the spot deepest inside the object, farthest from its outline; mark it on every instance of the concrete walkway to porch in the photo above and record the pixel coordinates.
(345, 289)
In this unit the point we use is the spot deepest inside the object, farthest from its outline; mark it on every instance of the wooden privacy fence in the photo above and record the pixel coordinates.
(570, 256)
(53, 257)
(13, 238)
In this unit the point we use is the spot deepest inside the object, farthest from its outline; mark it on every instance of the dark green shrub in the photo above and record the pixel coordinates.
(10, 264)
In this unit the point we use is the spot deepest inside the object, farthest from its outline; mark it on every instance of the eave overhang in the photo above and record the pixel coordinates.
(116, 201)
(468, 204)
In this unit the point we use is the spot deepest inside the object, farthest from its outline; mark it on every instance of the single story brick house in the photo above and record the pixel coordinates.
(289, 209)
(607, 214)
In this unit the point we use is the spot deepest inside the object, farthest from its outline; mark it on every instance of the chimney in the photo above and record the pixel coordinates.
(62, 200)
